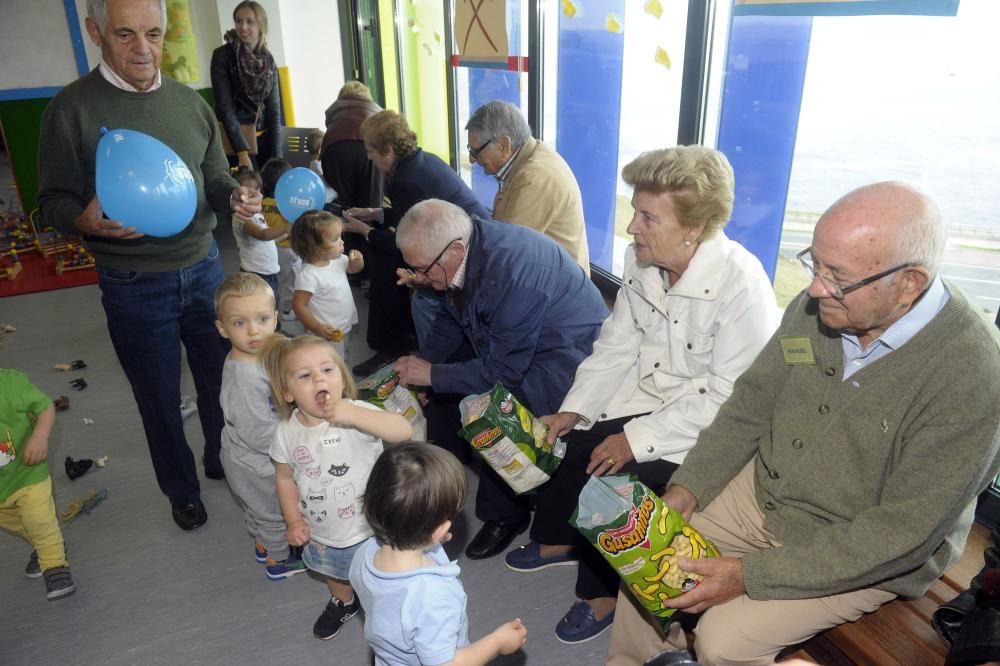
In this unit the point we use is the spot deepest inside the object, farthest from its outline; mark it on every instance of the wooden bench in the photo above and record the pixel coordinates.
(900, 632)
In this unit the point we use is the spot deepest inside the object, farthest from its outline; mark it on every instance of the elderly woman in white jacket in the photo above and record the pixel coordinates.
(694, 310)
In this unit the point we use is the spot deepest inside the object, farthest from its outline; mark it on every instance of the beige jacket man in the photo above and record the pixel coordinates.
(541, 192)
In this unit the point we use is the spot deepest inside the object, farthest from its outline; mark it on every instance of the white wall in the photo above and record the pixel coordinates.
(311, 36)
(35, 48)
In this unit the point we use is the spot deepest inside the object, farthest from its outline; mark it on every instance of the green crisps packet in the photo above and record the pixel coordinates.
(641, 538)
(382, 389)
(510, 439)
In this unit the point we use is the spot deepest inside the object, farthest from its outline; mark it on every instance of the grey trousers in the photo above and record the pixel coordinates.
(258, 497)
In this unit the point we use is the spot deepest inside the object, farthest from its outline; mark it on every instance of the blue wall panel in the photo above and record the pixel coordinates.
(588, 115)
(765, 74)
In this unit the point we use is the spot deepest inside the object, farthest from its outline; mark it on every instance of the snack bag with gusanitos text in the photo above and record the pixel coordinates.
(510, 438)
(641, 538)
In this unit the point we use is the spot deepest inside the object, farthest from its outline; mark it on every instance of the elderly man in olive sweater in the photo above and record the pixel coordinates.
(843, 471)
(157, 292)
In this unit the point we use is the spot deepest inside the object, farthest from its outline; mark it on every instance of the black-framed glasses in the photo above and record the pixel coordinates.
(474, 152)
(836, 290)
(424, 271)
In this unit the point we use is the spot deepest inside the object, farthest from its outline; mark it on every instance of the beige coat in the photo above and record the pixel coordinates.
(541, 192)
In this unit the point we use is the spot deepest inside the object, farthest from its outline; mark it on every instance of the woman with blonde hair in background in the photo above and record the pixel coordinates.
(245, 87)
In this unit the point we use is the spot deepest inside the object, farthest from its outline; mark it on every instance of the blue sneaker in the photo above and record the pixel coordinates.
(286, 568)
(526, 559)
(579, 624)
(260, 553)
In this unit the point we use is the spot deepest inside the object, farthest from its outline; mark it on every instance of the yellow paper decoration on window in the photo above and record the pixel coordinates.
(569, 9)
(654, 8)
(662, 58)
(611, 24)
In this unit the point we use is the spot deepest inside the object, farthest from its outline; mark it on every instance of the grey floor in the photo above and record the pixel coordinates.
(148, 593)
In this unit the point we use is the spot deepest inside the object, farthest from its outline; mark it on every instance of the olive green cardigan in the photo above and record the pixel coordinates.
(865, 486)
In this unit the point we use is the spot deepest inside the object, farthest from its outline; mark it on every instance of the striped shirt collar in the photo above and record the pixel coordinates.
(504, 171)
(458, 282)
(111, 76)
(898, 334)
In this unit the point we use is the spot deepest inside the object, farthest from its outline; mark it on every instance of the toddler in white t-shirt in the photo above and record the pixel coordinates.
(323, 301)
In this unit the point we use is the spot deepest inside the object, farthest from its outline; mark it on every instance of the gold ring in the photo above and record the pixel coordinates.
(611, 461)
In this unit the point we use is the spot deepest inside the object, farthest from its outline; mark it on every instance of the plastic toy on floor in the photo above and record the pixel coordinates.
(84, 504)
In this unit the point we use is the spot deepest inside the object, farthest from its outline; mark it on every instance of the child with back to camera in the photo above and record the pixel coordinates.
(413, 599)
(288, 261)
(244, 305)
(255, 239)
(323, 451)
(323, 301)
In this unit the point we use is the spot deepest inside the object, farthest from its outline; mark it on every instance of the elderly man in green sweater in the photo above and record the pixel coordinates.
(157, 292)
(844, 469)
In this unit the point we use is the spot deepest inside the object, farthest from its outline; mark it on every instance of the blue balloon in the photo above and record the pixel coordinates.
(297, 191)
(143, 183)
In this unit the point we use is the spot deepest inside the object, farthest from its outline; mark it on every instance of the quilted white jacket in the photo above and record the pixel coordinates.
(675, 351)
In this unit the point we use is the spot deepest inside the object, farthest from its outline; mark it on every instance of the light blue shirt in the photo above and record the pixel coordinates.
(898, 334)
(411, 617)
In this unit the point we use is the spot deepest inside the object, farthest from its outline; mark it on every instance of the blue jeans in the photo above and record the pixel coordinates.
(150, 314)
(426, 305)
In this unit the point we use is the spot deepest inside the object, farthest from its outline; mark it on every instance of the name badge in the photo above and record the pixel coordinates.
(330, 441)
(797, 351)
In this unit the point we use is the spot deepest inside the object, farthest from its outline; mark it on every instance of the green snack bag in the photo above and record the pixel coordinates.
(641, 538)
(382, 389)
(510, 438)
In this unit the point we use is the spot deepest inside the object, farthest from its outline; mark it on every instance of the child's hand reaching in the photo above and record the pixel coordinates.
(298, 533)
(511, 636)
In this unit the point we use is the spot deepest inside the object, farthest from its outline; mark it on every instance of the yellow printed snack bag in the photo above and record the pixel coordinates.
(641, 538)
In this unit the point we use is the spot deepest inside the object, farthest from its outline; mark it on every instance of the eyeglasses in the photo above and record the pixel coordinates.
(836, 290)
(424, 271)
(474, 152)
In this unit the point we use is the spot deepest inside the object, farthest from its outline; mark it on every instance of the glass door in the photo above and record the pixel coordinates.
(369, 51)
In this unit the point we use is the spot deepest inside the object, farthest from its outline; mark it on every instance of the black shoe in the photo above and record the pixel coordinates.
(189, 516)
(379, 359)
(334, 616)
(493, 538)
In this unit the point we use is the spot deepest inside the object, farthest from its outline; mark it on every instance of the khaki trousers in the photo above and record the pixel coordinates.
(741, 631)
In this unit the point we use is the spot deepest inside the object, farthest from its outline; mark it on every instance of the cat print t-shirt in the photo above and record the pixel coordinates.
(330, 465)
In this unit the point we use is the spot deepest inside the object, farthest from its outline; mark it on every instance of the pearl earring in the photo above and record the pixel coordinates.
(687, 242)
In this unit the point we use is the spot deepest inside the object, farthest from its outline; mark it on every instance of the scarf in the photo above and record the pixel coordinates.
(255, 69)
